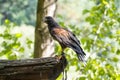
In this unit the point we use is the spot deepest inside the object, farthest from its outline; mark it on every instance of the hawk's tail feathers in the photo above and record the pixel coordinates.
(81, 58)
(80, 53)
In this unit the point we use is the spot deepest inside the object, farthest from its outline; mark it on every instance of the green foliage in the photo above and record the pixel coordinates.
(104, 20)
(100, 68)
(101, 40)
(11, 46)
(20, 12)
(99, 35)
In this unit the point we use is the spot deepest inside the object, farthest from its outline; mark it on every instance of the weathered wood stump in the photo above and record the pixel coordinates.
(32, 69)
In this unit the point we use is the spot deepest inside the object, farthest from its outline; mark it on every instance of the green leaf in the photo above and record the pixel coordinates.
(82, 78)
(105, 2)
(4, 43)
(28, 41)
(101, 71)
(118, 32)
(1, 35)
(7, 22)
(18, 35)
(85, 11)
(7, 36)
(21, 50)
(16, 45)
(118, 77)
(118, 52)
(115, 59)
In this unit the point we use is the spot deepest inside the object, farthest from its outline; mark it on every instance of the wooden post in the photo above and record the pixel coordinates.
(32, 69)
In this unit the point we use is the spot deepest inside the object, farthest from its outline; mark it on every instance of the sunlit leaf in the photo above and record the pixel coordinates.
(115, 59)
(7, 21)
(85, 11)
(105, 2)
(118, 52)
(118, 77)
(118, 32)
(18, 35)
(21, 50)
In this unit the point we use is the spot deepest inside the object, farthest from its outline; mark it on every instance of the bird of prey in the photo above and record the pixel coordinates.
(65, 37)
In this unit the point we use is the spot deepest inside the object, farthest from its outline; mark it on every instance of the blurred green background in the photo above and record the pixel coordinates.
(95, 22)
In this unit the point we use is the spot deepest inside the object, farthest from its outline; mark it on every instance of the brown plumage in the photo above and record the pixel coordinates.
(65, 37)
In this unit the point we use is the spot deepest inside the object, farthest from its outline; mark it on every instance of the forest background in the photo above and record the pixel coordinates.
(95, 22)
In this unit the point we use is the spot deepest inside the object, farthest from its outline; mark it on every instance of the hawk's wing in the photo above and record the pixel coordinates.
(60, 35)
(64, 36)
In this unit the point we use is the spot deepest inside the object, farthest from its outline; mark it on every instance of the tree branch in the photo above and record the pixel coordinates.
(32, 69)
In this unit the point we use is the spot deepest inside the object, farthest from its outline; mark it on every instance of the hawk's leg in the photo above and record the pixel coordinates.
(64, 71)
(63, 48)
(63, 54)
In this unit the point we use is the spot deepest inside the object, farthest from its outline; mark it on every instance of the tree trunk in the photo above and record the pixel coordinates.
(44, 45)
